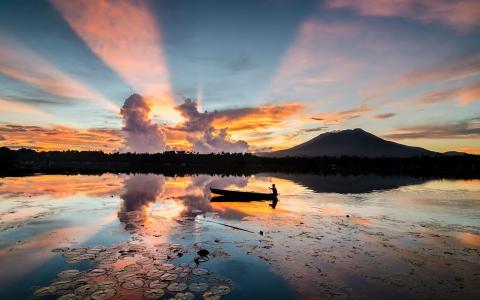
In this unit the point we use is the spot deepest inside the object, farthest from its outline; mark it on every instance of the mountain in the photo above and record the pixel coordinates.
(351, 142)
(454, 153)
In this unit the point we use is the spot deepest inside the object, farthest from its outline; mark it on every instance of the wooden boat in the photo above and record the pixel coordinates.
(242, 196)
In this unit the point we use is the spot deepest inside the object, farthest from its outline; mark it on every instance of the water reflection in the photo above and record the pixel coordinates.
(190, 196)
(350, 184)
(401, 234)
(139, 192)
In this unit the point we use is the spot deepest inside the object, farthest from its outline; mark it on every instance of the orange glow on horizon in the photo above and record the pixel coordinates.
(61, 138)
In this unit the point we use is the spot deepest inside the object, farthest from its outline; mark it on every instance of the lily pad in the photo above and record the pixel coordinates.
(85, 256)
(184, 296)
(211, 296)
(169, 277)
(177, 287)
(153, 294)
(68, 274)
(125, 277)
(69, 296)
(58, 286)
(61, 249)
(104, 293)
(106, 284)
(157, 284)
(167, 267)
(95, 250)
(176, 270)
(199, 271)
(221, 290)
(198, 287)
(96, 272)
(86, 290)
(132, 268)
(155, 274)
(43, 291)
(145, 261)
(133, 283)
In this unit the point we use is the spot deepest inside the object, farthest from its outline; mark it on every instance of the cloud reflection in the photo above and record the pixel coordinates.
(140, 191)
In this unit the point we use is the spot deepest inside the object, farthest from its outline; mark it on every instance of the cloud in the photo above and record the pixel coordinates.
(141, 133)
(464, 95)
(460, 67)
(41, 101)
(214, 141)
(384, 116)
(203, 136)
(125, 35)
(20, 63)
(254, 118)
(194, 120)
(462, 15)
(2, 138)
(450, 70)
(60, 138)
(20, 108)
(315, 129)
(341, 116)
(469, 128)
(314, 59)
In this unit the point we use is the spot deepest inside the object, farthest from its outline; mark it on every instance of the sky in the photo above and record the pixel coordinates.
(237, 76)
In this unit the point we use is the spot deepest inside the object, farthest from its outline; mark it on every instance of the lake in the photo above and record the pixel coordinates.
(144, 236)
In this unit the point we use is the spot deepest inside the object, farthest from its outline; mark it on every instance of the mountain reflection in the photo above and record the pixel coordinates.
(351, 184)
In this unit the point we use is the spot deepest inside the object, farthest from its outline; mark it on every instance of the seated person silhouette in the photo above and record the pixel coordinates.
(274, 190)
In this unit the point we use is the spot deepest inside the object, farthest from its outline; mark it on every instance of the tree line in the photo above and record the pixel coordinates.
(24, 161)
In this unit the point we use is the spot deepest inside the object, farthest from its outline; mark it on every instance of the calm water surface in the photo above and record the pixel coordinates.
(353, 237)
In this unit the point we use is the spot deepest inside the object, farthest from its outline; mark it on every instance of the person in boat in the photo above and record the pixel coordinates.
(274, 190)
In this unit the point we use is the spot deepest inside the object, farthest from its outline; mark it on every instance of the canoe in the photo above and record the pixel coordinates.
(243, 196)
(229, 199)
(232, 199)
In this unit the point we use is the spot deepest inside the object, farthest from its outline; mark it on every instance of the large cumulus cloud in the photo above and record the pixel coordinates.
(142, 134)
(203, 136)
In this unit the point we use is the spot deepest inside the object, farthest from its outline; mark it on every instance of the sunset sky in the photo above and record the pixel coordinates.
(237, 75)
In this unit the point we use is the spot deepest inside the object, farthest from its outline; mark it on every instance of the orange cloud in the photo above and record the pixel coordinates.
(60, 138)
(124, 35)
(262, 117)
(461, 15)
(18, 62)
(340, 116)
(384, 116)
(464, 95)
